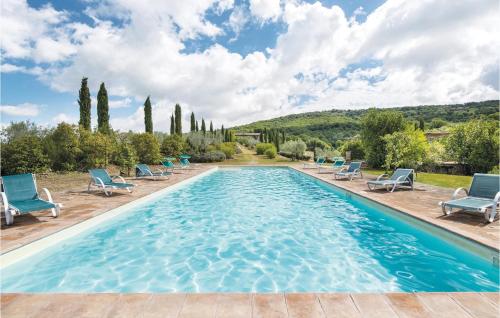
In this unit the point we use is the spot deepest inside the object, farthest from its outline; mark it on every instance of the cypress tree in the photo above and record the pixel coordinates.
(211, 128)
(203, 127)
(148, 119)
(84, 102)
(193, 125)
(102, 110)
(421, 124)
(261, 137)
(172, 125)
(178, 120)
(222, 131)
(277, 142)
(197, 127)
(283, 136)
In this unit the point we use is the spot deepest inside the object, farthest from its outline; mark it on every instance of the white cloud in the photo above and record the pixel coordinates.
(405, 53)
(62, 117)
(237, 20)
(25, 109)
(265, 9)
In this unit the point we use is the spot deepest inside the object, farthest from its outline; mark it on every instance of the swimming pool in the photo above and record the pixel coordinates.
(253, 230)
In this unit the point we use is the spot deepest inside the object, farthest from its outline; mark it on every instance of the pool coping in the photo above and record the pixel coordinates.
(12, 256)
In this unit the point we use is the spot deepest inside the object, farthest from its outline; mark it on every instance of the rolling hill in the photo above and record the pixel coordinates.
(334, 125)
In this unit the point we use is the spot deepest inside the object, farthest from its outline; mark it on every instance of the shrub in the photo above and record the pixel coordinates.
(295, 148)
(271, 152)
(228, 148)
(405, 149)
(475, 143)
(209, 156)
(125, 157)
(436, 154)
(437, 123)
(147, 148)
(247, 142)
(355, 147)
(96, 149)
(173, 145)
(262, 147)
(24, 154)
(313, 143)
(375, 124)
(198, 142)
(63, 147)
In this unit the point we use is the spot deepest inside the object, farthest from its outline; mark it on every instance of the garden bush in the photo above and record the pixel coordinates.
(271, 152)
(262, 147)
(173, 145)
(355, 146)
(228, 148)
(62, 146)
(210, 156)
(96, 149)
(405, 149)
(147, 148)
(295, 148)
(24, 154)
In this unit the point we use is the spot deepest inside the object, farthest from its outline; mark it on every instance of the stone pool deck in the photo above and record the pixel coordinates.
(80, 205)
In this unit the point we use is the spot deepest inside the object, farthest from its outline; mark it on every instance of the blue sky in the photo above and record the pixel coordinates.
(236, 61)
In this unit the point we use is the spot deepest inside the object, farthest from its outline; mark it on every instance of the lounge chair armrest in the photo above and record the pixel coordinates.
(118, 177)
(385, 175)
(343, 169)
(158, 171)
(496, 199)
(5, 202)
(49, 196)
(457, 191)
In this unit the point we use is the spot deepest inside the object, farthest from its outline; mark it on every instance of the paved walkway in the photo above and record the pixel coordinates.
(310, 305)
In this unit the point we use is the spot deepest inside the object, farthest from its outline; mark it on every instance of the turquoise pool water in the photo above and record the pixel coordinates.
(253, 229)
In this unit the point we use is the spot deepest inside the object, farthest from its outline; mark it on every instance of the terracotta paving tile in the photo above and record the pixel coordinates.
(407, 305)
(373, 305)
(476, 304)
(27, 306)
(441, 305)
(494, 298)
(96, 305)
(338, 305)
(129, 305)
(6, 299)
(199, 305)
(269, 306)
(234, 306)
(303, 306)
(164, 305)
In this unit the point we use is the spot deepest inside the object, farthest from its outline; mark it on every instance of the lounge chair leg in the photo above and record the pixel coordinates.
(9, 217)
(490, 216)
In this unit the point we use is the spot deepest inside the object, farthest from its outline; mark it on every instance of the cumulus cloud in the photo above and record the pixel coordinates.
(25, 109)
(404, 53)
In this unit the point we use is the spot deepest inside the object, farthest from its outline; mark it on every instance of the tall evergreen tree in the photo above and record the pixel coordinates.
(193, 125)
(84, 103)
(211, 128)
(222, 131)
(261, 137)
(172, 125)
(203, 127)
(148, 117)
(283, 137)
(178, 119)
(277, 142)
(102, 110)
(197, 127)
(421, 124)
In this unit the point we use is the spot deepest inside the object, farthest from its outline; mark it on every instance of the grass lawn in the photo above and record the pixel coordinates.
(249, 157)
(437, 179)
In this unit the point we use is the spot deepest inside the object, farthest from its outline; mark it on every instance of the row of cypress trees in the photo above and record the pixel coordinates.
(103, 126)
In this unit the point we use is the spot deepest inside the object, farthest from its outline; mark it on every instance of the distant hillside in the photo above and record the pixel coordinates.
(334, 125)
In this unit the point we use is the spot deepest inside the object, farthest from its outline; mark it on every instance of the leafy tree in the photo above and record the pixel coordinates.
(405, 149)
(262, 147)
(296, 148)
(475, 143)
(421, 124)
(63, 148)
(178, 119)
(148, 117)
(22, 155)
(20, 129)
(203, 128)
(84, 103)
(173, 145)
(172, 125)
(126, 157)
(147, 148)
(97, 149)
(197, 128)
(437, 123)
(193, 124)
(102, 110)
(355, 146)
(375, 125)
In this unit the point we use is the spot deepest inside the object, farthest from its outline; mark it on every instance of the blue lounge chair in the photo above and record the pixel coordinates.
(185, 164)
(483, 197)
(336, 166)
(318, 163)
(169, 164)
(101, 179)
(20, 196)
(400, 177)
(143, 171)
(350, 172)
